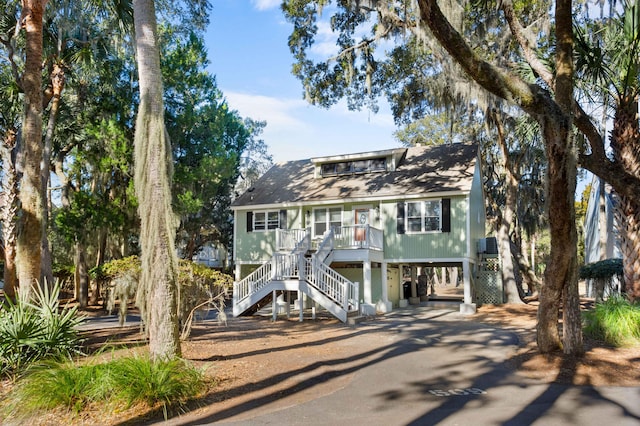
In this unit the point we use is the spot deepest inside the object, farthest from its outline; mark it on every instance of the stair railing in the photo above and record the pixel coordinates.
(333, 285)
(325, 246)
(292, 239)
(253, 282)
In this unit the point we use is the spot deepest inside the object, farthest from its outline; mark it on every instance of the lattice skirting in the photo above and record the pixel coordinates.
(489, 289)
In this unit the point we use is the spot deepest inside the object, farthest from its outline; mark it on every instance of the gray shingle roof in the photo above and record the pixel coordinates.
(424, 170)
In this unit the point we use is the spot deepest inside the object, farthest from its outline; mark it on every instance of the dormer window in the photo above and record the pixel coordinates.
(354, 167)
(361, 163)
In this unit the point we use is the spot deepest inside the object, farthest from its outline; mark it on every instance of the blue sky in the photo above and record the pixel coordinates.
(247, 45)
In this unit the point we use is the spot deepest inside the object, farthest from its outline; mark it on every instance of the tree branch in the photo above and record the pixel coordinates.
(509, 87)
(526, 40)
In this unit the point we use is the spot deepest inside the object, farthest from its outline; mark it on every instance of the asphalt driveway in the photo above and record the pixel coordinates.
(427, 367)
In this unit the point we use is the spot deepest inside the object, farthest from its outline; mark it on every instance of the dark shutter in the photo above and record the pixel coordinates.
(400, 218)
(446, 215)
(249, 221)
(283, 219)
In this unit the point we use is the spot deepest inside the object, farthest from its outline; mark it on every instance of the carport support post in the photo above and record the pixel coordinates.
(300, 305)
(288, 299)
(274, 305)
(468, 307)
(385, 287)
(414, 299)
(366, 270)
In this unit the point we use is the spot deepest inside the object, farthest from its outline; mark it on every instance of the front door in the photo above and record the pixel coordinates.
(361, 219)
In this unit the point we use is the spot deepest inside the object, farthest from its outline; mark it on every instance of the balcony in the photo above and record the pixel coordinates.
(344, 238)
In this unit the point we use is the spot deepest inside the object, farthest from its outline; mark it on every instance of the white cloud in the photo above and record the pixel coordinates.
(266, 4)
(277, 112)
(297, 130)
(325, 42)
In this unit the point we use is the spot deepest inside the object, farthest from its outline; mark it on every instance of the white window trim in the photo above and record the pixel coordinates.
(328, 219)
(408, 230)
(266, 220)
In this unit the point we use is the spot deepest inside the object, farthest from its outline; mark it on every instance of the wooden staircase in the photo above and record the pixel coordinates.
(301, 270)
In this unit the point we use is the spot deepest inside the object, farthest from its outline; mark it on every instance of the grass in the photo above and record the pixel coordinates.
(615, 321)
(116, 384)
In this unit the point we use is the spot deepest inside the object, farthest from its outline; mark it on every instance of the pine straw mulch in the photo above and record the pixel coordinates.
(601, 365)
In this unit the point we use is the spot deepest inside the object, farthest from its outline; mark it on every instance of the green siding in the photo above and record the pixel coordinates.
(258, 246)
(356, 275)
(477, 212)
(433, 245)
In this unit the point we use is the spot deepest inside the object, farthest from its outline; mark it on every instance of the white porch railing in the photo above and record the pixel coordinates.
(358, 236)
(341, 294)
(333, 285)
(325, 246)
(280, 267)
(293, 240)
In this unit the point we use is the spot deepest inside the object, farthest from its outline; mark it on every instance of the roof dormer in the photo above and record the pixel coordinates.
(361, 163)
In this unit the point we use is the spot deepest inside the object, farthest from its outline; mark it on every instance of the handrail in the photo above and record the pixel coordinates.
(291, 239)
(333, 285)
(359, 236)
(252, 282)
(294, 265)
(325, 246)
(304, 243)
(280, 267)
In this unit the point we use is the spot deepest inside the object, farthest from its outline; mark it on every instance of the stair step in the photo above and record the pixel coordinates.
(355, 320)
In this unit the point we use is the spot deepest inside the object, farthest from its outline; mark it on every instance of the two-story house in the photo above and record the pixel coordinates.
(341, 229)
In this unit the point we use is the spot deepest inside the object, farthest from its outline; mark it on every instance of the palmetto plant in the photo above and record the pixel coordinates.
(31, 330)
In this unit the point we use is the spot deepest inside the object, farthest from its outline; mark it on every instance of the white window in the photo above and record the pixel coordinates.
(263, 221)
(423, 216)
(324, 219)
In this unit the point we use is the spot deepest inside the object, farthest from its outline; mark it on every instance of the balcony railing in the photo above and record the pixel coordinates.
(298, 240)
(357, 237)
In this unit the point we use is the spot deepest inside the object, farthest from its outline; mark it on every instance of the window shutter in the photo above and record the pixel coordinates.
(400, 218)
(249, 221)
(446, 215)
(283, 219)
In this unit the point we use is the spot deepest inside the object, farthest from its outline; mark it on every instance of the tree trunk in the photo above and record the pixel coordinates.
(555, 119)
(9, 212)
(81, 277)
(528, 274)
(625, 143)
(157, 288)
(511, 293)
(561, 275)
(30, 228)
(102, 248)
(57, 85)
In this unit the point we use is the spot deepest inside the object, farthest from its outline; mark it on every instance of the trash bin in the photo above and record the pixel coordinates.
(406, 290)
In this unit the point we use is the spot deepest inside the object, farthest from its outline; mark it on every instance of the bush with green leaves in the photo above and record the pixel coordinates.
(32, 330)
(199, 288)
(615, 321)
(603, 269)
(116, 384)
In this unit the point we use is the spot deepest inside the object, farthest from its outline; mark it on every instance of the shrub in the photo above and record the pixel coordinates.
(36, 329)
(199, 287)
(616, 321)
(119, 383)
(168, 383)
(603, 269)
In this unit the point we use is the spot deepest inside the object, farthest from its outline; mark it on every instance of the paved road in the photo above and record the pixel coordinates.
(431, 367)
